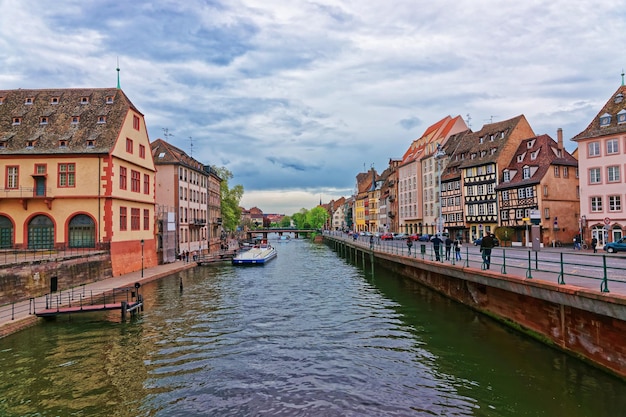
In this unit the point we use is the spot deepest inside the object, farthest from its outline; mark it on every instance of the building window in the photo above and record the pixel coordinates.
(593, 149)
(546, 213)
(62, 144)
(146, 219)
(123, 219)
(505, 195)
(123, 178)
(605, 120)
(135, 122)
(521, 193)
(109, 99)
(43, 120)
(557, 171)
(146, 184)
(565, 172)
(621, 116)
(612, 173)
(41, 169)
(142, 151)
(526, 173)
(90, 143)
(29, 100)
(102, 119)
(615, 203)
(84, 100)
(594, 176)
(129, 145)
(612, 146)
(135, 179)
(596, 204)
(545, 190)
(12, 177)
(75, 120)
(67, 175)
(506, 176)
(134, 219)
(17, 121)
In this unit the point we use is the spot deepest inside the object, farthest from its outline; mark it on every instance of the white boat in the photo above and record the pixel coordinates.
(259, 254)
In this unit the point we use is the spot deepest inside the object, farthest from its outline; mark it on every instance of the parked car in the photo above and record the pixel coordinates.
(424, 238)
(617, 246)
(478, 241)
(414, 237)
(386, 236)
(400, 236)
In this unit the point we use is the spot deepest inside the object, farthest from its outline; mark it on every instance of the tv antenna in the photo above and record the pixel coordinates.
(166, 134)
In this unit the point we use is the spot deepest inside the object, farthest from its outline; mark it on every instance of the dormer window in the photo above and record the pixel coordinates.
(533, 155)
(530, 144)
(75, 120)
(491, 138)
(17, 121)
(54, 100)
(91, 143)
(605, 120)
(84, 100)
(29, 100)
(62, 144)
(481, 139)
(520, 158)
(494, 150)
(109, 99)
(621, 117)
(526, 173)
(619, 97)
(3, 145)
(30, 144)
(102, 119)
(506, 175)
(1, 100)
(43, 120)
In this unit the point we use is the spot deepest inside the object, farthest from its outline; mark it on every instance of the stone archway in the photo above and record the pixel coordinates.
(40, 233)
(6, 233)
(82, 232)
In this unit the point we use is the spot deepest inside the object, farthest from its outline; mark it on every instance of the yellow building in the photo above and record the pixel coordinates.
(76, 171)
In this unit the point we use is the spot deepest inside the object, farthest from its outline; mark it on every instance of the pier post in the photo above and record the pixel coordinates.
(124, 307)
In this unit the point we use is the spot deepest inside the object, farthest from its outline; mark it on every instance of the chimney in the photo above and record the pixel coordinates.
(559, 136)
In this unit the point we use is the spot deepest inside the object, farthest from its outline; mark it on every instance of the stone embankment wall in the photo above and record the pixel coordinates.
(586, 323)
(21, 281)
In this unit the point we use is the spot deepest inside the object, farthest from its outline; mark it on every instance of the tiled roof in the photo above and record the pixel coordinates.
(540, 154)
(456, 145)
(615, 105)
(46, 119)
(166, 153)
(487, 143)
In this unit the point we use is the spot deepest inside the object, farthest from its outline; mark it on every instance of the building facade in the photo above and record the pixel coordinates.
(77, 172)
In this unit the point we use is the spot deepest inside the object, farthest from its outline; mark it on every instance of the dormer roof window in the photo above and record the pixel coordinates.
(109, 99)
(84, 100)
(621, 117)
(75, 120)
(54, 100)
(43, 120)
(17, 121)
(605, 120)
(30, 144)
(619, 97)
(62, 144)
(526, 172)
(102, 119)
(91, 143)
(530, 144)
(506, 175)
(1, 100)
(29, 100)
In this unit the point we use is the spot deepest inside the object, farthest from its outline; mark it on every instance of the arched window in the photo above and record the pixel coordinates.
(82, 232)
(6, 233)
(40, 233)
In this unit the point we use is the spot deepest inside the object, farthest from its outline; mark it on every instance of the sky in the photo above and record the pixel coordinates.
(297, 97)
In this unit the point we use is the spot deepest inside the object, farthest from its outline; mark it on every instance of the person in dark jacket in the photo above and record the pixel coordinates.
(437, 247)
(485, 247)
(448, 243)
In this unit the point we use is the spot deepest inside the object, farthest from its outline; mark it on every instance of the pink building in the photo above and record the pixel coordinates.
(602, 167)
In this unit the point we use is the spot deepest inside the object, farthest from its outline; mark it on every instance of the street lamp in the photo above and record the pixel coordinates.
(141, 258)
(439, 155)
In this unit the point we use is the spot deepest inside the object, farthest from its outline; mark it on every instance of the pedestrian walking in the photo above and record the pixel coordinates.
(594, 244)
(577, 241)
(457, 249)
(409, 244)
(448, 243)
(371, 241)
(437, 247)
(485, 247)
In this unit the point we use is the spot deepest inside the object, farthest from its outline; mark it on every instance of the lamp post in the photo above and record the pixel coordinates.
(141, 258)
(439, 155)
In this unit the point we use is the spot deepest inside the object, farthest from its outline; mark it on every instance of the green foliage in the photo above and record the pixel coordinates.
(231, 213)
(299, 218)
(285, 221)
(504, 234)
(317, 217)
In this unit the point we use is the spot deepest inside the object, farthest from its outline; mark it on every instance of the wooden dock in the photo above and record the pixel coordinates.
(212, 258)
(122, 305)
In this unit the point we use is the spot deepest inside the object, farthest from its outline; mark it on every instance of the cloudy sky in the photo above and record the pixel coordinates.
(296, 97)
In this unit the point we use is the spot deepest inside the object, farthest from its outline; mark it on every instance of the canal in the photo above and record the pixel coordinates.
(306, 335)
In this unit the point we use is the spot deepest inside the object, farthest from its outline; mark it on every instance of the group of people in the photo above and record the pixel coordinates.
(447, 243)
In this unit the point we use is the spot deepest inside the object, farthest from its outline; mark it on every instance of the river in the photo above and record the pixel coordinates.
(308, 334)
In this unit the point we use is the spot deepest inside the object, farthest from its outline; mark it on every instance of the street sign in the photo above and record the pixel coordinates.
(607, 220)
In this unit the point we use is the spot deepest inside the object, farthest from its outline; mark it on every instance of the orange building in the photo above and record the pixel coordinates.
(76, 171)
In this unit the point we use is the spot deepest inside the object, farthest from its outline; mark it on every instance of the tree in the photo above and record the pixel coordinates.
(285, 221)
(231, 213)
(316, 217)
(299, 218)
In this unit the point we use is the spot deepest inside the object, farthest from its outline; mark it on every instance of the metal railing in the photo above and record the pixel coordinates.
(16, 256)
(564, 266)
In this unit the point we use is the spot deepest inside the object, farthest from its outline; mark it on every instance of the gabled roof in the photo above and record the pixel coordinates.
(540, 153)
(165, 153)
(456, 146)
(436, 133)
(487, 144)
(101, 113)
(615, 105)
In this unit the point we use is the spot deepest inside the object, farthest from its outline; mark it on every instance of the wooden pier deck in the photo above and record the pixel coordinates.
(211, 258)
(127, 307)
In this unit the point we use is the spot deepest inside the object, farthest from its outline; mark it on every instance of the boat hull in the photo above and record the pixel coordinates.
(254, 257)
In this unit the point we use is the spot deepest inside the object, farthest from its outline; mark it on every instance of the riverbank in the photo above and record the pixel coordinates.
(17, 316)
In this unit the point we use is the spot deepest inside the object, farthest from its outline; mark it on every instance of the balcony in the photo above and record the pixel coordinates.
(197, 222)
(25, 194)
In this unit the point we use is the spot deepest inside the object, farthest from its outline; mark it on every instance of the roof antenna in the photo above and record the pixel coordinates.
(118, 73)
(167, 134)
(190, 146)
(468, 120)
(622, 76)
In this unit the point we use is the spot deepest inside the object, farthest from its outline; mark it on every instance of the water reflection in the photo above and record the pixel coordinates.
(306, 335)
